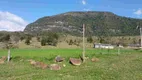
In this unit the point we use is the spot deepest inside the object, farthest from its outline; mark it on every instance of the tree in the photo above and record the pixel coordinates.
(22, 38)
(101, 39)
(27, 41)
(43, 41)
(49, 38)
(6, 40)
(89, 39)
(38, 39)
(134, 41)
(70, 42)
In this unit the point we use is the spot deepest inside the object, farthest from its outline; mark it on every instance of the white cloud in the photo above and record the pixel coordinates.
(83, 2)
(11, 22)
(138, 12)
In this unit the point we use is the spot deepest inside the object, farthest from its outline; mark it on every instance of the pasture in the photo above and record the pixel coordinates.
(111, 66)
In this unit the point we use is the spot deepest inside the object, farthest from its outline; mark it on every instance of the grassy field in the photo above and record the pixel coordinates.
(111, 66)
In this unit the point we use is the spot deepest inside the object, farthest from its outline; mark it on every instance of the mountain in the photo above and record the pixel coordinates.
(96, 23)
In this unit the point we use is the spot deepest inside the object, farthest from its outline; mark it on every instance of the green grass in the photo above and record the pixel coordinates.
(125, 66)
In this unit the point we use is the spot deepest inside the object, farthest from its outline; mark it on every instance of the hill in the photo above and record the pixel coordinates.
(97, 24)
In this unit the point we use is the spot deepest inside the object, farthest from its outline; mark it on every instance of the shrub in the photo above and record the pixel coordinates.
(28, 38)
(89, 39)
(43, 41)
(38, 39)
(22, 38)
(27, 41)
(70, 42)
(50, 39)
(5, 38)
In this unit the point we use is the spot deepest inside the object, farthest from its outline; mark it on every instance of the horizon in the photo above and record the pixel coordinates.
(16, 14)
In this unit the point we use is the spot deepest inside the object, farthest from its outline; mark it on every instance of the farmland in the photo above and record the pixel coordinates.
(111, 66)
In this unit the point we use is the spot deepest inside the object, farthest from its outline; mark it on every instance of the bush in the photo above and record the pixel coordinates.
(50, 39)
(71, 42)
(38, 39)
(55, 43)
(43, 41)
(27, 41)
(89, 39)
(22, 38)
(28, 38)
(101, 40)
(5, 38)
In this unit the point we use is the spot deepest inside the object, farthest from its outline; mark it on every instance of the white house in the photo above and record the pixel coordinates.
(105, 46)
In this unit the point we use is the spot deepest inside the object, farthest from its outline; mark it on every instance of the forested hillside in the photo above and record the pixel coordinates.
(97, 24)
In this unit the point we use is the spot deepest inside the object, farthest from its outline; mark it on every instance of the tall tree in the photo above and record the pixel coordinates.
(9, 40)
(6, 39)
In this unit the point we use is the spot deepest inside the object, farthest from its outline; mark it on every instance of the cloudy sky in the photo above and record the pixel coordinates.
(16, 14)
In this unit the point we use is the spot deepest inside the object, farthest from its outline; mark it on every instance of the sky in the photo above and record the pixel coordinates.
(16, 14)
